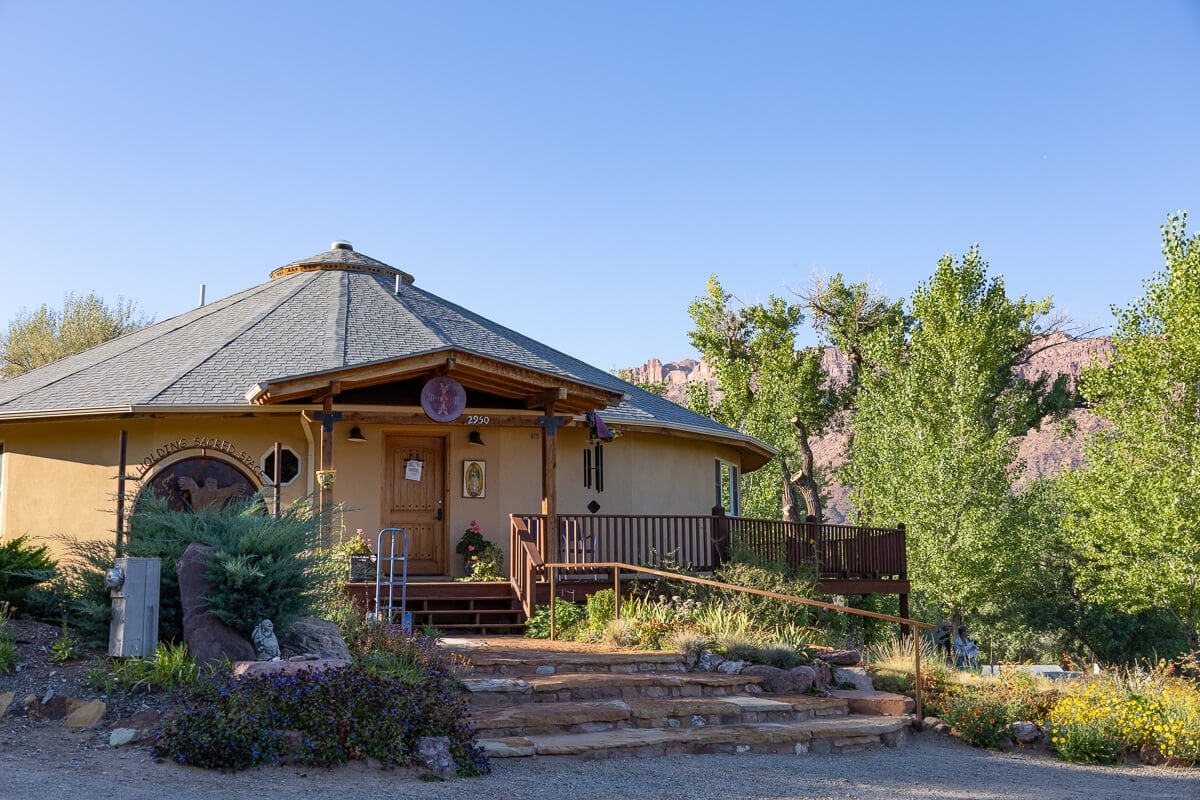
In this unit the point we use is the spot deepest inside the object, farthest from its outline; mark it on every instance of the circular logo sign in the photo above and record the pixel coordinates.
(443, 399)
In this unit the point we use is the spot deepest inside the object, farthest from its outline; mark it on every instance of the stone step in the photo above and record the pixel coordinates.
(828, 735)
(551, 663)
(861, 701)
(520, 719)
(606, 686)
(728, 710)
(533, 719)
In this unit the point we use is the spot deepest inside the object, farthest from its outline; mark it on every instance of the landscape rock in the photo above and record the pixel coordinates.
(119, 737)
(805, 677)
(822, 675)
(85, 715)
(841, 658)
(775, 680)
(209, 640)
(6, 701)
(732, 667)
(855, 675)
(434, 752)
(1025, 732)
(318, 638)
(709, 662)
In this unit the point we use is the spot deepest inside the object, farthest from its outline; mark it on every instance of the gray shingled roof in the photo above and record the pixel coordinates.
(337, 311)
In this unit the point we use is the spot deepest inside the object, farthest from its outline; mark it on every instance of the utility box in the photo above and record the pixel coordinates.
(133, 584)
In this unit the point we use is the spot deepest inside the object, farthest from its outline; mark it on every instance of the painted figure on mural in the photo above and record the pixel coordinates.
(209, 495)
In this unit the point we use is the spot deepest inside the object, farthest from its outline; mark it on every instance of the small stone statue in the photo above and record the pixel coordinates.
(266, 646)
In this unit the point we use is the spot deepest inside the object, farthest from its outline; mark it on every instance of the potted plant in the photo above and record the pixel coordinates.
(470, 545)
(362, 560)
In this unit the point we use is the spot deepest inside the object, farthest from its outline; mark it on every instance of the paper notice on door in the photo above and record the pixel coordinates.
(412, 469)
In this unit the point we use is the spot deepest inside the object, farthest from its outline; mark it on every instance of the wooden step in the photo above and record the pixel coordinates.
(830, 735)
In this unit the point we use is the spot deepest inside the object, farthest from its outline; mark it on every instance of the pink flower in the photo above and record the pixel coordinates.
(470, 547)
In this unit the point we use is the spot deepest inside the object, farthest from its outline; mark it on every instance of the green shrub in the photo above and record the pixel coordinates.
(767, 612)
(319, 718)
(22, 566)
(8, 648)
(63, 648)
(1085, 743)
(601, 609)
(171, 667)
(263, 568)
(980, 716)
(777, 655)
(487, 564)
(568, 618)
(737, 647)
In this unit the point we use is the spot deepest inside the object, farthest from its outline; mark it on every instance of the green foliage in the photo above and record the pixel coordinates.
(568, 617)
(600, 609)
(1127, 710)
(777, 655)
(768, 612)
(763, 381)
(8, 648)
(34, 339)
(170, 668)
(22, 566)
(263, 567)
(1135, 506)
(1085, 743)
(63, 648)
(982, 711)
(936, 412)
(340, 714)
(487, 564)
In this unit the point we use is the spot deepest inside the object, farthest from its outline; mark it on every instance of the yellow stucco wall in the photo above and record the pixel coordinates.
(60, 477)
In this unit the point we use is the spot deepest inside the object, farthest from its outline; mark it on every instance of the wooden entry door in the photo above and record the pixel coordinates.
(414, 499)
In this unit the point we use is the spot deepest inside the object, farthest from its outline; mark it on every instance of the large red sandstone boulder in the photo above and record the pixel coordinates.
(209, 640)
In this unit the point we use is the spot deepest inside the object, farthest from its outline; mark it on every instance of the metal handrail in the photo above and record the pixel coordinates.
(618, 567)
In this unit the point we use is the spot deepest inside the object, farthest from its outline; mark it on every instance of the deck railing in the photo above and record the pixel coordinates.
(703, 542)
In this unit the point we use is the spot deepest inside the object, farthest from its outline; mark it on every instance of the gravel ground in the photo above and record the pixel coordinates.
(41, 759)
(50, 763)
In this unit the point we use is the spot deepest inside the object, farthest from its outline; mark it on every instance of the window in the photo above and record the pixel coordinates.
(729, 490)
(289, 466)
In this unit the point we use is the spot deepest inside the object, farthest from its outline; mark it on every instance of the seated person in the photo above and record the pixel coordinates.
(966, 652)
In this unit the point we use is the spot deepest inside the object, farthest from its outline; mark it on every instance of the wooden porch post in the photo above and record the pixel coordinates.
(325, 495)
(550, 424)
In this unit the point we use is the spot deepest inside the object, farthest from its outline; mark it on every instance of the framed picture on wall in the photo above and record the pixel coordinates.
(474, 478)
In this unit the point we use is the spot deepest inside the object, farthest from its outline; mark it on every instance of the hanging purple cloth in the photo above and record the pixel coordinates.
(599, 429)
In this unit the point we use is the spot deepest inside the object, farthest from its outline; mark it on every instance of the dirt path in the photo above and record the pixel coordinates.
(49, 762)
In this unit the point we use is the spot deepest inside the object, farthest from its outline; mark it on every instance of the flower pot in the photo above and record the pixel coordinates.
(362, 568)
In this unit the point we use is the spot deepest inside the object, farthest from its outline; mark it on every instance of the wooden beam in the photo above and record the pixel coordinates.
(851, 586)
(546, 398)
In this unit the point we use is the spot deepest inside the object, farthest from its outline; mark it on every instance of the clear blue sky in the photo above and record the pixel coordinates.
(577, 170)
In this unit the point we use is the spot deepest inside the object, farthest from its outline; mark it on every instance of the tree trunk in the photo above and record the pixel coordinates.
(803, 480)
(791, 502)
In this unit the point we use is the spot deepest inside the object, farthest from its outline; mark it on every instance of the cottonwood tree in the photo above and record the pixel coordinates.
(1136, 505)
(772, 391)
(34, 339)
(938, 405)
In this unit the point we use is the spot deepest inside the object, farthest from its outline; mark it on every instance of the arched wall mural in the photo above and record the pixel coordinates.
(198, 482)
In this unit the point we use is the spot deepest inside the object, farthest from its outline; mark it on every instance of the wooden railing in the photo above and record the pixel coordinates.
(703, 542)
(617, 568)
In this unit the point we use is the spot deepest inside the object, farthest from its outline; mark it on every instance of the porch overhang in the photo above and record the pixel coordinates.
(534, 388)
